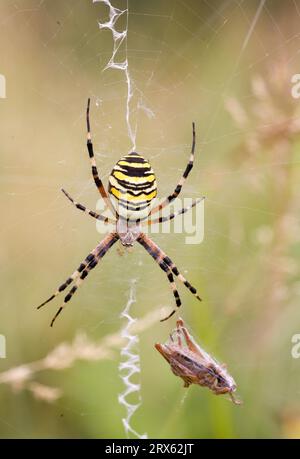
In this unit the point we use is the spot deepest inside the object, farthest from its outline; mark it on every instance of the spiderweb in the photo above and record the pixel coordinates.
(131, 364)
(167, 63)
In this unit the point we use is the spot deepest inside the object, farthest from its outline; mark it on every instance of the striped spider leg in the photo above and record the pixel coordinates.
(96, 177)
(167, 265)
(175, 194)
(180, 184)
(89, 263)
(183, 210)
(93, 214)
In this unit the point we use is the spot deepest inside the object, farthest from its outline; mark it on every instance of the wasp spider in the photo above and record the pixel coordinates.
(132, 186)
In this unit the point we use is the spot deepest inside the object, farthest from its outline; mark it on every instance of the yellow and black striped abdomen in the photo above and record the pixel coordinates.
(133, 184)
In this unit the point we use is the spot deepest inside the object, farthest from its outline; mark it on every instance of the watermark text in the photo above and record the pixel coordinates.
(2, 347)
(2, 87)
(183, 216)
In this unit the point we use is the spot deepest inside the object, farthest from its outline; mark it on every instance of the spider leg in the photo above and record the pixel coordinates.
(78, 281)
(173, 215)
(88, 211)
(70, 279)
(96, 177)
(85, 267)
(170, 277)
(99, 253)
(179, 186)
(164, 262)
(175, 270)
(174, 289)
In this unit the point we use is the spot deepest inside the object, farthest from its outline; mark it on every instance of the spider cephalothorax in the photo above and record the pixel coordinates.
(128, 231)
(131, 190)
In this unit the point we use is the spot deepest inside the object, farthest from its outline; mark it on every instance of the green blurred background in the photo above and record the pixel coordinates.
(227, 65)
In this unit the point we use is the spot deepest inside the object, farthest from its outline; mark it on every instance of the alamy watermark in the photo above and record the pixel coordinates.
(2, 347)
(295, 91)
(2, 87)
(188, 219)
(295, 351)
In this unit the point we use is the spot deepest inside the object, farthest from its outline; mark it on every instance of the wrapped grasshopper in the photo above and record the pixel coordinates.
(191, 363)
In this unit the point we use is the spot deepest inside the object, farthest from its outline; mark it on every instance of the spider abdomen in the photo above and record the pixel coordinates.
(133, 184)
